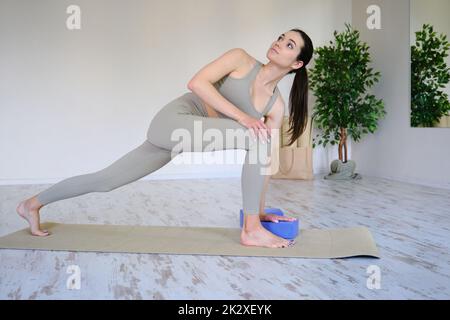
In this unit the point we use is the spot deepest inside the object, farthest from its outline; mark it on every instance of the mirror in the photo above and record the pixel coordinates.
(430, 61)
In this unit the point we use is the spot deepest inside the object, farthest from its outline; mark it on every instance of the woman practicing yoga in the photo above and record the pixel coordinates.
(233, 92)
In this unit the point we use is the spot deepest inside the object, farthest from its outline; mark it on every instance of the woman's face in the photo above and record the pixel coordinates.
(285, 49)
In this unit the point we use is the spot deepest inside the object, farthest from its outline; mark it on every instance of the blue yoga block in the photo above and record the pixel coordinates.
(284, 229)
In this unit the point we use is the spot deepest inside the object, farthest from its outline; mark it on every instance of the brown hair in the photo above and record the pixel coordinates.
(298, 97)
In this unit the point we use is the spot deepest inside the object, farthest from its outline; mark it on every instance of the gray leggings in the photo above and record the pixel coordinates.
(185, 113)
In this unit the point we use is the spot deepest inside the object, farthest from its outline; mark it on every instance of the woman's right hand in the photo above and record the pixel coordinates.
(257, 127)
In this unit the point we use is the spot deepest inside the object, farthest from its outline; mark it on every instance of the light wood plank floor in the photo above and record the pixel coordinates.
(410, 223)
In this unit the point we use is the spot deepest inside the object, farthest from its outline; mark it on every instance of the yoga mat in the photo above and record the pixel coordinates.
(310, 243)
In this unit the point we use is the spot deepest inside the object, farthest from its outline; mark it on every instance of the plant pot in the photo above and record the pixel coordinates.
(342, 170)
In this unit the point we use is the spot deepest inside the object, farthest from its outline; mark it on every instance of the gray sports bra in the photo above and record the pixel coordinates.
(237, 92)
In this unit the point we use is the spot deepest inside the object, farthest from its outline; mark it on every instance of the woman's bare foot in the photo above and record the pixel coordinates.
(261, 237)
(254, 234)
(29, 210)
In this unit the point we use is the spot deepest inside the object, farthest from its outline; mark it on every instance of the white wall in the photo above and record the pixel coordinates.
(398, 151)
(72, 102)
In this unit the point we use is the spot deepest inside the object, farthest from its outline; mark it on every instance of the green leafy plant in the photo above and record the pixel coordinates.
(429, 73)
(339, 80)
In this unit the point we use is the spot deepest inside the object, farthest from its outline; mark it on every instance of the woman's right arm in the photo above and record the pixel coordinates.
(202, 85)
(202, 82)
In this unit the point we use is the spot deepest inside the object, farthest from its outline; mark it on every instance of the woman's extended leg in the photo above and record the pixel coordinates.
(134, 165)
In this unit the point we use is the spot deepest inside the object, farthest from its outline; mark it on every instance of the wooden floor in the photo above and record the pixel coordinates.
(410, 224)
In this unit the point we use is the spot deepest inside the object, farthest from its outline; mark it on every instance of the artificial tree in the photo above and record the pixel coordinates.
(429, 74)
(340, 80)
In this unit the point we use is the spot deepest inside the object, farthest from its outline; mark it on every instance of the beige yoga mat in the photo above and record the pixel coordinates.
(310, 243)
